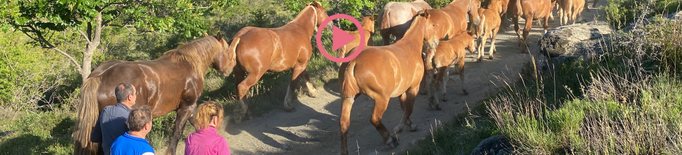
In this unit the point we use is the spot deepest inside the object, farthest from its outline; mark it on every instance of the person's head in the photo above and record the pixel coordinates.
(140, 120)
(209, 114)
(126, 94)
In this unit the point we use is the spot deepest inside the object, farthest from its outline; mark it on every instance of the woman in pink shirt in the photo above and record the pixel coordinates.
(206, 141)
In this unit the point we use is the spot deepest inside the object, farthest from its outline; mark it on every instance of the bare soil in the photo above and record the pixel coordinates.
(314, 127)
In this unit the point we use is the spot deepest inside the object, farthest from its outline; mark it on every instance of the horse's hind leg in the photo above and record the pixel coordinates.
(444, 77)
(344, 122)
(242, 89)
(460, 65)
(380, 105)
(406, 104)
(183, 113)
(312, 92)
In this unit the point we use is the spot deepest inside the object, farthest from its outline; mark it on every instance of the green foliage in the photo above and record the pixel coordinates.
(26, 71)
(437, 4)
(38, 133)
(621, 13)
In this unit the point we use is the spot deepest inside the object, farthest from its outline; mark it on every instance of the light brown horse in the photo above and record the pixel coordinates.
(448, 52)
(173, 82)
(490, 25)
(368, 27)
(529, 10)
(260, 50)
(396, 18)
(570, 10)
(383, 72)
(449, 20)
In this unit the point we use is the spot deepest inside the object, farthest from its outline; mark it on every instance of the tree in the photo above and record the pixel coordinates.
(40, 19)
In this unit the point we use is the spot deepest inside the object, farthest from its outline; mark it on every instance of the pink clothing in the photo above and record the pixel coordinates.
(206, 142)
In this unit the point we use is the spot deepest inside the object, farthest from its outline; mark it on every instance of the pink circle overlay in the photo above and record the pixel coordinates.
(357, 51)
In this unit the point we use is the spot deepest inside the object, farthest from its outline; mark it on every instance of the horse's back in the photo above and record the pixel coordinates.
(387, 70)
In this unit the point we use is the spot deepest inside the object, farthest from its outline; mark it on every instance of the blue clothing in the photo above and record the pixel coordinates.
(110, 125)
(129, 145)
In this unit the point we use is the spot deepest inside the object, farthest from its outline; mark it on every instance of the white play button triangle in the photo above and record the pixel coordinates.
(340, 38)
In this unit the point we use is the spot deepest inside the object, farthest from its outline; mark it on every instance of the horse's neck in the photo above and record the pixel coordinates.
(304, 20)
(415, 34)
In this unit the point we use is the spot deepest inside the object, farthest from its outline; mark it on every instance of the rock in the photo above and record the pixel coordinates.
(493, 145)
(575, 41)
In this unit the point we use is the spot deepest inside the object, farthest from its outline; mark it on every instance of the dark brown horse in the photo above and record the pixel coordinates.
(383, 72)
(173, 82)
(259, 50)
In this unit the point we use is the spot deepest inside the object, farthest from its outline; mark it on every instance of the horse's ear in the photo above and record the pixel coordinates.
(205, 35)
(426, 13)
(315, 4)
(219, 36)
(414, 12)
(306, 4)
(371, 17)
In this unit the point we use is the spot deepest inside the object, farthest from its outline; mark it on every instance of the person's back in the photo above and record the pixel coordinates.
(133, 142)
(111, 122)
(206, 140)
(130, 145)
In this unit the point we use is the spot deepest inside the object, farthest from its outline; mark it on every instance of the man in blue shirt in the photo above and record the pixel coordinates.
(112, 120)
(133, 142)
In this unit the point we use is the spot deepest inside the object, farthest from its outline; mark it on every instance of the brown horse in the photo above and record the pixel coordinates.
(383, 72)
(570, 10)
(529, 10)
(396, 18)
(449, 20)
(259, 50)
(489, 27)
(173, 82)
(368, 27)
(448, 52)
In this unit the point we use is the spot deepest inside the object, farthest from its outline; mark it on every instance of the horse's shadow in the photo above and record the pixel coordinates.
(264, 129)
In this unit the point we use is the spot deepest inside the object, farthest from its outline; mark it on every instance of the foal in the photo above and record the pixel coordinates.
(570, 10)
(368, 27)
(448, 52)
(383, 72)
(490, 25)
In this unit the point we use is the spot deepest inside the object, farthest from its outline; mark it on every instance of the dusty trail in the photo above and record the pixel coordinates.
(314, 127)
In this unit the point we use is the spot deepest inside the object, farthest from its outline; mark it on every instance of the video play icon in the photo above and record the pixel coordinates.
(340, 38)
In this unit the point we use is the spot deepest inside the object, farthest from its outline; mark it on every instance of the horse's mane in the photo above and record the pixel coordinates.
(198, 53)
(300, 14)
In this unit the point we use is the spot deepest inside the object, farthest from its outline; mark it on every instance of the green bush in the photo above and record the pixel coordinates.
(621, 13)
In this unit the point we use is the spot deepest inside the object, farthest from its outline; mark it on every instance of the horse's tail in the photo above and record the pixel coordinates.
(385, 21)
(233, 47)
(347, 80)
(88, 112)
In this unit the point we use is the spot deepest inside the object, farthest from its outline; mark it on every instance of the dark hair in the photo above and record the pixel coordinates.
(139, 117)
(123, 90)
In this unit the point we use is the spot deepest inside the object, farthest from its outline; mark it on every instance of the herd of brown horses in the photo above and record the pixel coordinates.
(427, 42)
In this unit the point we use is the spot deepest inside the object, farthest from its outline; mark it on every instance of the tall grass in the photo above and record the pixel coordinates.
(628, 103)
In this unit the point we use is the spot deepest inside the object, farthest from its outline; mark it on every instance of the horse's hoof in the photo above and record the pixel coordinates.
(413, 128)
(312, 94)
(444, 99)
(465, 92)
(491, 57)
(392, 141)
(289, 108)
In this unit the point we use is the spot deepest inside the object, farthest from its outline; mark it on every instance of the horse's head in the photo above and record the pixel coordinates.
(223, 61)
(368, 23)
(429, 28)
(320, 14)
(472, 12)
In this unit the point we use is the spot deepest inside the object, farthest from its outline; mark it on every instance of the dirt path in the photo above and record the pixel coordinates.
(314, 127)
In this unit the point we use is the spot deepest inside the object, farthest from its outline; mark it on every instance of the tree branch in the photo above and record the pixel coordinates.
(78, 66)
(84, 35)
